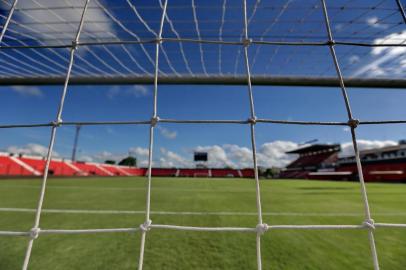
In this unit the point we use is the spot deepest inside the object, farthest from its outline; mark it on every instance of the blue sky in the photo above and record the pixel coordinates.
(228, 144)
(202, 102)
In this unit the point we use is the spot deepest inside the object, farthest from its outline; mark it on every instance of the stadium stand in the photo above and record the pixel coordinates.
(9, 166)
(163, 172)
(317, 158)
(225, 173)
(381, 164)
(24, 165)
(387, 164)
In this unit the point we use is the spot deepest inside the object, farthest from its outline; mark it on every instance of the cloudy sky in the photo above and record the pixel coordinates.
(227, 145)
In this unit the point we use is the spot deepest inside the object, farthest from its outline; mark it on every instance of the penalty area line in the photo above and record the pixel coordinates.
(188, 213)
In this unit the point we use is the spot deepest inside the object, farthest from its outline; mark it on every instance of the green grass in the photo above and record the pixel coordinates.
(284, 202)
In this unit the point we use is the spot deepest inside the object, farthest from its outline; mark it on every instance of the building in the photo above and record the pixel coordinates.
(381, 164)
(313, 160)
(387, 164)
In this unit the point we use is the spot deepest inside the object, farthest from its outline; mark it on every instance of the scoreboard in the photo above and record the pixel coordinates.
(200, 156)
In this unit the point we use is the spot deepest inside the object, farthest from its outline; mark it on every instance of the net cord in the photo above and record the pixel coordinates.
(401, 10)
(252, 121)
(154, 120)
(353, 125)
(196, 22)
(10, 14)
(207, 229)
(35, 229)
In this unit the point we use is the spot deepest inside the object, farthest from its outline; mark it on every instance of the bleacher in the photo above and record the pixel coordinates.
(311, 160)
(163, 172)
(8, 166)
(24, 165)
(225, 173)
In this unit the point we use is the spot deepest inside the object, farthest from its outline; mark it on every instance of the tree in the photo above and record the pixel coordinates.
(109, 161)
(129, 161)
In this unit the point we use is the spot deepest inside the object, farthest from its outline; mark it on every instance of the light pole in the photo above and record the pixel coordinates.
(75, 143)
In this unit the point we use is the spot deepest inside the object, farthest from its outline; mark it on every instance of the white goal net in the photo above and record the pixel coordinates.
(191, 42)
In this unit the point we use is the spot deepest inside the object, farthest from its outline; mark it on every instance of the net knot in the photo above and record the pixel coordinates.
(159, 40)
(331, 42)
(252, 120)
(146, 226)
(57, 122)
(154, 121)
(75, 44)
(369, 223)
(353, 123)
(34, 233)
(262, 228)
(246, 42)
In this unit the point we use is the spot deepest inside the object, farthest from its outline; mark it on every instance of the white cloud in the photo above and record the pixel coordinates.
(106, 155)
(141, 154)
(170, 159)
(60, 31)
(241, 156)
(85, 158)
(374, 22)
(384, 55)
(270, 154)
(32, 149)
(128, 91)
(167, 133)
(27, 91)
(353, 59)
(234, 156)
(273, 153)
(217, 156)
(348, 150)
(138, 91)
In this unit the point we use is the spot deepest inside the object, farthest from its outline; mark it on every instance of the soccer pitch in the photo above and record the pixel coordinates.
(120, 202)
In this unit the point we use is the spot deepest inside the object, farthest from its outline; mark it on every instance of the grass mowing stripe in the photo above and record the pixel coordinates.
(180, 213)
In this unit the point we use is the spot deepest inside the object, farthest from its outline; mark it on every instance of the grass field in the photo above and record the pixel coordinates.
(200, 202)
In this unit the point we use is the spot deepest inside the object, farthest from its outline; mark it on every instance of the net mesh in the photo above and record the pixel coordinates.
(41, 39)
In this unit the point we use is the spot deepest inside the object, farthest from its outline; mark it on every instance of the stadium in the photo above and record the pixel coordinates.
(191, 134)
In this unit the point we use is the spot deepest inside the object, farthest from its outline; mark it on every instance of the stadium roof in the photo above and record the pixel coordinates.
(316, 148)
(383, 149)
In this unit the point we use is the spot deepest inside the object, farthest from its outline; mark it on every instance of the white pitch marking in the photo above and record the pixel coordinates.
(180, 213)
(18, 186)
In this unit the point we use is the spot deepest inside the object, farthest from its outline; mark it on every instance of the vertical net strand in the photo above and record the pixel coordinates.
(401, 10)
(5, 26)
(154, 120)
(353, 123)
(252, 121)
(35, 230)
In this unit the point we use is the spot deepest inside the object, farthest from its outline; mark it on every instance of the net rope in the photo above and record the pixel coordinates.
(245, 42)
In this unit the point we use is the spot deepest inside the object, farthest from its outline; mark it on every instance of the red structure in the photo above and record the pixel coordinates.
(312, 160)
(382, 164)
(11, 165)
(387, 164)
